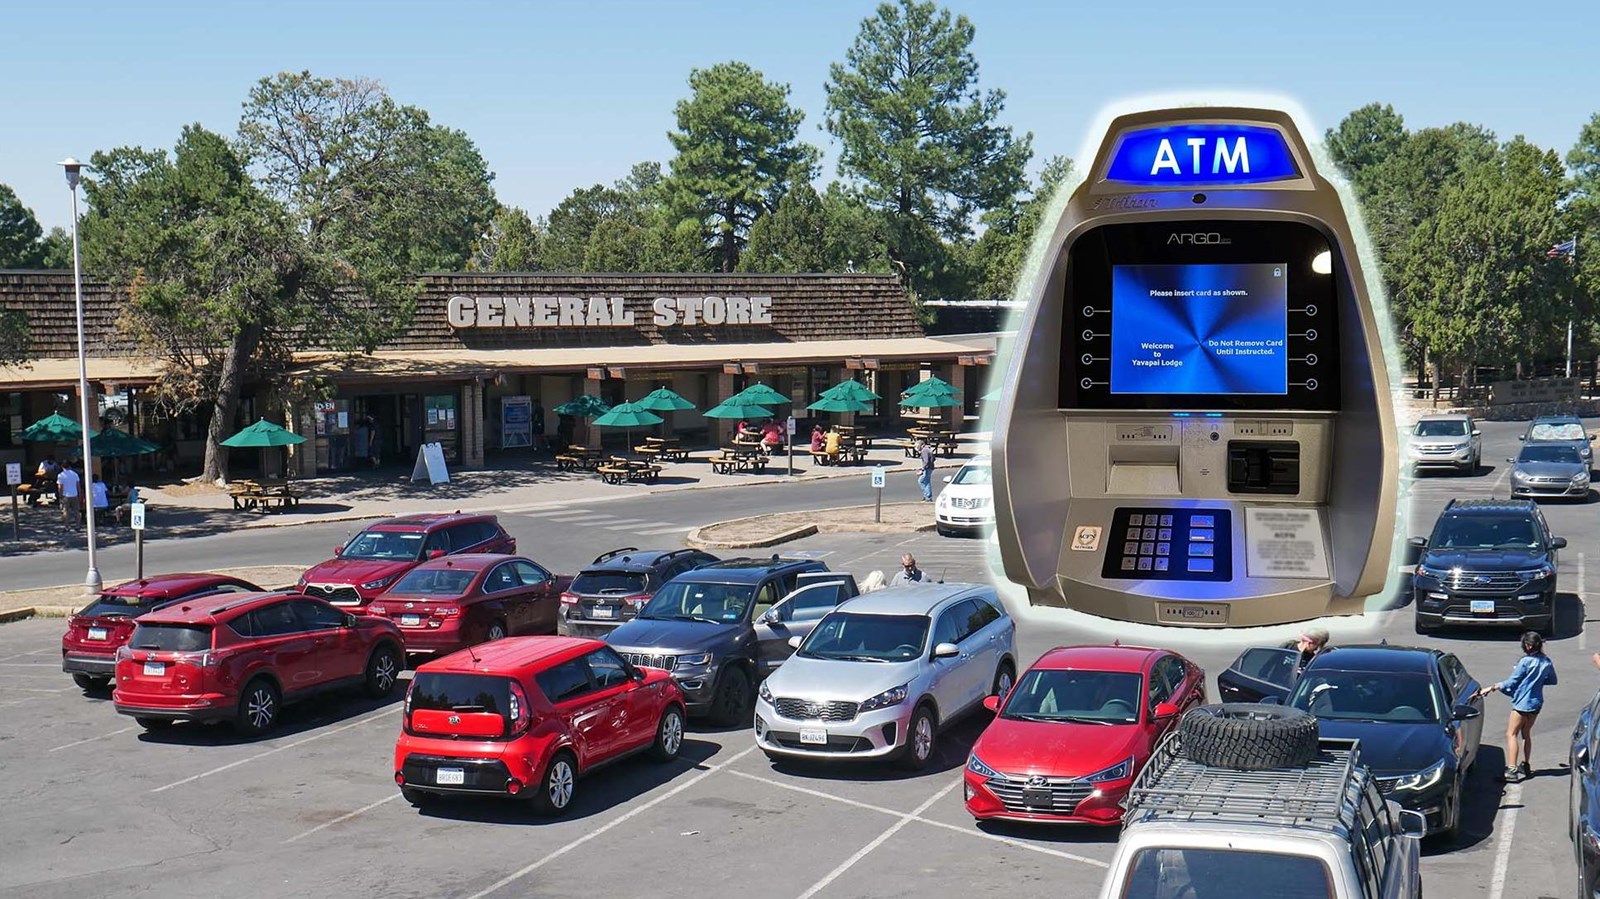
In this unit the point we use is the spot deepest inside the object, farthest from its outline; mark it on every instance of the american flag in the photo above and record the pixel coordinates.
(1568, 249)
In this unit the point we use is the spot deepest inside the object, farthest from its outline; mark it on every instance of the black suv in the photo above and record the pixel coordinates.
(1489, 561)
(617, 584)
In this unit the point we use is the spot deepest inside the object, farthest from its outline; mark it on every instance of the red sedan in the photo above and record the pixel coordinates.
(457, 601)
(1078, 727)
(89, 647)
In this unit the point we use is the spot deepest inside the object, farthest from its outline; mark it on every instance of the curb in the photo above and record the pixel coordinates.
(80, 585)
(696, 538)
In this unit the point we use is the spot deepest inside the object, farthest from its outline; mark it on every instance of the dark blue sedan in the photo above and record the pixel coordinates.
(1583, 804)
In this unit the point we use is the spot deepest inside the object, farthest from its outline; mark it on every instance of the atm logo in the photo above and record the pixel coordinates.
(1200, 155)
(1210, 238)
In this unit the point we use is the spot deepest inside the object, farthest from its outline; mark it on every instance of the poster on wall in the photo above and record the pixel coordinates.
(441, 411)
(516, 422)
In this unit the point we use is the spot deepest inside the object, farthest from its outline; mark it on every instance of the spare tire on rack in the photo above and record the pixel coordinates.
(1248, 736)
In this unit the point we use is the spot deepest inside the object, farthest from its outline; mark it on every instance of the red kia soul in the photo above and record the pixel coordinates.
(526, 716)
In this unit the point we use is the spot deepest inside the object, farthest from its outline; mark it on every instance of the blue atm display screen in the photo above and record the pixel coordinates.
(1200, 329)
(1202, 155)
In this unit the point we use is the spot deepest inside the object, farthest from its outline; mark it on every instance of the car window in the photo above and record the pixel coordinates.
(812, 602)
(766, 596)
(1206, 873)
(1159, 688)
(171, 637)
(464, 536)
(530, 574)
(402, 545)
(314, 616)
(502, 578)
(1455, 674)
(568, 680)
(1556, 431)
(607, 668)
(984, 614)
(1370, 696)
(434, 582)
(1274, 666)
(716, 602)
(1555, 453)
(1056, 695)
(438, 540)
(1445, 428)
(1171, 671)
(1486, 532)
(949, 628)
(224, 588)
(276, 619)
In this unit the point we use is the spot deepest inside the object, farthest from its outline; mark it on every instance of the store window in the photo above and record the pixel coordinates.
(11, 423)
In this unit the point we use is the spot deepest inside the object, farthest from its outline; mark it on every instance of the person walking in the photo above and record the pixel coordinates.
(69, 486)
(925, 477)
(909, 572)
(1312, 643)
(1532, 673)
(99, 496)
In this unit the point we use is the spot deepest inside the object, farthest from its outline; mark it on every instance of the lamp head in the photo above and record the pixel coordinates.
(72, 167)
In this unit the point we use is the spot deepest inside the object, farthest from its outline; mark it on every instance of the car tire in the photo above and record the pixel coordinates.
(1451, 831)
(383, 671)
(418, 798)
(943, 531)
(557, 785)
(731, 704)
(922, 739)
(90, 681)
(1425, 628)
(1247, 736)
(154, 725)
(669, 735)
(259, 705)
(1005, 677)
(496, 631)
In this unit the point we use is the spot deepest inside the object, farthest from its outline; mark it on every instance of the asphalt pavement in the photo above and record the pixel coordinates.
(96, 807)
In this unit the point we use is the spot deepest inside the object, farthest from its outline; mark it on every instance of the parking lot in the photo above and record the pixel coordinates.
(96, 807)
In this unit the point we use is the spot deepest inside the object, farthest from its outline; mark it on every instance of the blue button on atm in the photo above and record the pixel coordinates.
(1202, 521)
(1205, 565)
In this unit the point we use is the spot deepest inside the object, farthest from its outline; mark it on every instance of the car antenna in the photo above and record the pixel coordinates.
(942, 572)
(472, 655)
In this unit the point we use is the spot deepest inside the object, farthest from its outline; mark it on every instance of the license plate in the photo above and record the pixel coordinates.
(410, 620)
(451, 777)
(155, 669)
(1483, 607)
(97, 633)
(814, 736)
(604, 612)
(1038, 797)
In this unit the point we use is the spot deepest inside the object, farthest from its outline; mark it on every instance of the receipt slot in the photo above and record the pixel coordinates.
(1197, 427)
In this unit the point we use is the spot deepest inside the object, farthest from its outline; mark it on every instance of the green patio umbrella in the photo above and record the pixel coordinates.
(55, 428)
(934, 385)
(664, 399)
(761, 395)
(264, 433)
(850, 390)
(930, 401)
(628, 416)
(112, 442)
(734, 407)
(585, 406)
(839, 404)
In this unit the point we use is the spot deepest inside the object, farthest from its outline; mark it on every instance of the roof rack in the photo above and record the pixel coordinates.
(1325, 794)
(677, 552)
(613, 554)
(250, 597)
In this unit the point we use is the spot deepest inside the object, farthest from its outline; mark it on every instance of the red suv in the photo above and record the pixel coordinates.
(240, 658)
(89, 647)
(447, 604)
(375, 558)
(530, 713)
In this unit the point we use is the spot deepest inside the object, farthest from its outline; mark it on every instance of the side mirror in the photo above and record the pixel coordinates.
(794, 642)
(1522, 436)
(338, 550)
(1477, 433)
(1418, 542)
(435, 553)
(1165, 710)
(1510, 459)
(947, 479)
(992, 703)
(636, 673)
(1558, 543)
(946, 651)
(1412, 824)
(349, 620)
(771, 616)
(1465, 713)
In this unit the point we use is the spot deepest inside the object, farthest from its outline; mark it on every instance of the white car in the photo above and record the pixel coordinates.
(966, 504)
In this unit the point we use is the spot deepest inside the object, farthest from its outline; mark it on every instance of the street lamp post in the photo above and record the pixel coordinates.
(91, 581)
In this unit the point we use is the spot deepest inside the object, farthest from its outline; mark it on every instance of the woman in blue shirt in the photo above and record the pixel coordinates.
(1533, 672)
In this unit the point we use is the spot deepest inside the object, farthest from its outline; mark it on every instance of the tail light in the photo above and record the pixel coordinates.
(375, 609)
(513, 786)
(447, 611)
(638, 601)
(569, 599)
(124, 653)
(405, 706)
(400, 778)
(521, 715)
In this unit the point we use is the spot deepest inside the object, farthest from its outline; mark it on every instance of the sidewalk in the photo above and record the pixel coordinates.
(191, 510)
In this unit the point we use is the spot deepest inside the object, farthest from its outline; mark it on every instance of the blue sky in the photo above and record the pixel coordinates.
(564, 95)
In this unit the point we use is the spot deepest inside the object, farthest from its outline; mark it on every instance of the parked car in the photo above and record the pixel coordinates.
(529, 716)
(1583, 797)
(1445, 441)
(966, 506)
(1550, 471)
(453, 602)
(722, 628)
(882, 674)
(1561, 429)
(617, 584)
(241, 657)
(372, 560)
(1199, 828)
(1260, 674)
(1415, 713)
(1078, 727)
(98, 630)
(1488, 562)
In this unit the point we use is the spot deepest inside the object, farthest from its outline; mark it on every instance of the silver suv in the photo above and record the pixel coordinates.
(879, 676)
(1445, 441)
(1198, 829)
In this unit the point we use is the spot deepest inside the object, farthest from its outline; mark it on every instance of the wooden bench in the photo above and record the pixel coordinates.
(32, 493)
(613, 474)
(821, 456)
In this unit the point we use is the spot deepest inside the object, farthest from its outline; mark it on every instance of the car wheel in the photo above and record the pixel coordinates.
(497, 631)
(154, 725)
(1425, 628)
(943, 531)
(1572, 807)
(383, 671)
(1452, 830)
(732, 702)
(1004, 677)
(669, 735)
(90, 681)
(921, 736)
(417, 798)
(557, 787)
(258, 708)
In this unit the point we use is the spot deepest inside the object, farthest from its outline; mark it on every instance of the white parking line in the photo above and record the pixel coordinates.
(675, 529)
(342, 818)
(41, 689)
(92, 739)
(261, 755)
(533, 507)
(861, 853)
(638, 809)
(23, 655)
(47, 665)
(628, 524)
(1583, 603)
(1502, 855)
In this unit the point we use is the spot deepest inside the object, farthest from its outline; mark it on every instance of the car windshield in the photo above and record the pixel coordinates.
(1556, 430)
(973, 475)
(852, 636)
(434, 582)
(1445, 428)
(1553, 453)
(1369, 696)
(1111, 697)
(386, 545)
(700, 602)
(609, 583)
(1158, 873)
(1485, 533)
(170, 638)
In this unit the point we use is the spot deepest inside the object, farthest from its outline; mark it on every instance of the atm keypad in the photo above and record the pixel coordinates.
(1172, 544)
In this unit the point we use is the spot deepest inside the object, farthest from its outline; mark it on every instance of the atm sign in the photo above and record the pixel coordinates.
(1202, 155)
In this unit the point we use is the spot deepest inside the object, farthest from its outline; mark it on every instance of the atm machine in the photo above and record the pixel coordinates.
(1197, 427)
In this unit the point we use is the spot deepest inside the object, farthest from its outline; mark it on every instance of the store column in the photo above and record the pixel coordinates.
(472, 429)
(721, 429)
(959, 380)
(301, 419)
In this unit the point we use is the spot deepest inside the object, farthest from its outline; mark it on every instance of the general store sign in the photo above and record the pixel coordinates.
(600, 312)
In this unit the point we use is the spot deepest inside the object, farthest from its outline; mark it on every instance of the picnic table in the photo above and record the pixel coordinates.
(619, 469)
(739, 458)
(249, 495)
(580, 457)
(943, 441)
(662, 451)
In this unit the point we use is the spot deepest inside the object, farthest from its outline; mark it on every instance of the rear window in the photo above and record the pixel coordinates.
(107, 606)
(434, 582)
(171, 637)
(603, 583)
(461, 693)
(1217, 874)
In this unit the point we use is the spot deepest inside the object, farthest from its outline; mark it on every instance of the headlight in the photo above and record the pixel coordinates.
(976, 766)
(1581, 477)
(1518, 475)
(1536, 574)
(694, 660)
(1423, 779)
(380, 583)
(889, 697)
(1120, 771)
(764, 692)
(1435, 573)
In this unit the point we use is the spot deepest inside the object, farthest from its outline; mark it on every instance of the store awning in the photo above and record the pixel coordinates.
(62, 374)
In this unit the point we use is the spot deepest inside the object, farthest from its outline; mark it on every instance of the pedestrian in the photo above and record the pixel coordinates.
(818, 439)
(925, 478)
(1312, 643)
(68, 483)
(1532, 673)
(909, 572)
(99, 496)
(360, 436)
(373, 454)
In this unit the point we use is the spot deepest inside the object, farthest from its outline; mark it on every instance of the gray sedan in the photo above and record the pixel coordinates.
(1549, 470)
